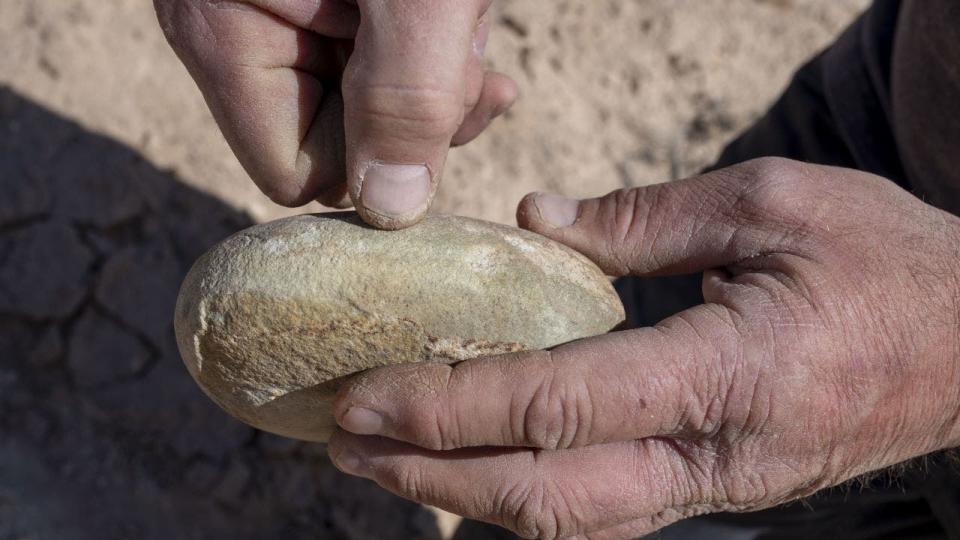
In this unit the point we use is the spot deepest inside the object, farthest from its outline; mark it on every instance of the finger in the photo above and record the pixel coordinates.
(404, 92)
(537, 494)
(475, 72)
(636, 528)
(489, 94)
(262, 79)
(498, 94)
(623, 386)
(335, 196)
(684, 226)
(630, 531)
(332, 18)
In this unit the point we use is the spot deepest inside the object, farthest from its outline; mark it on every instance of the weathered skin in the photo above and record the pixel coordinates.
(270, 320)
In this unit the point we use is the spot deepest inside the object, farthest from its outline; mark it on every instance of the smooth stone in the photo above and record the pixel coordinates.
(272, 319)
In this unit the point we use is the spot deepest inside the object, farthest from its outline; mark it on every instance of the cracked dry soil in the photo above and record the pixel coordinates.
(103, 434)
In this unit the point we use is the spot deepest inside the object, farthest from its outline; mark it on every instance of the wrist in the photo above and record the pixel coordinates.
(933, 396)
(952, 352)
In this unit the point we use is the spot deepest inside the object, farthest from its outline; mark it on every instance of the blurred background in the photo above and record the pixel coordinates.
(114, 178)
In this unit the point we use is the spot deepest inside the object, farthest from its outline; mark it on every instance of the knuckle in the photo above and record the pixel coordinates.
(770, 166)
(541, 427)
(280, 184)
(780, 196)
(428, 414)
(691, 477)
(536, 510)
(709, 385)
(427, 427)
(285, 193)
(531, 521)
(626, 222)
(625, 227)
(558, 412)
(513, 505)
(731, 485)
(407, 481)
(447, 431)
(705, 409)
(438, 429)
(410, 112)
(775, 187)
(742, 490)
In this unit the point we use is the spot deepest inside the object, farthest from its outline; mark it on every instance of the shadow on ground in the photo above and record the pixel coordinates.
(102, 432)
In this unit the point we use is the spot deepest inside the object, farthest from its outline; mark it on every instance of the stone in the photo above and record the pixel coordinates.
(270, 320)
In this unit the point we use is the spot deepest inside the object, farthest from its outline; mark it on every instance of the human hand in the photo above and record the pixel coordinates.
(828, 346)
(342, 100)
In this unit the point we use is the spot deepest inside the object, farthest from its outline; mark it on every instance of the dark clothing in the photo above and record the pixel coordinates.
(885, 98)
(925, 99)
(836, 110)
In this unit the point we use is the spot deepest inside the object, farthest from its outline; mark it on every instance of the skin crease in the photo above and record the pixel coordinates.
(828, 347)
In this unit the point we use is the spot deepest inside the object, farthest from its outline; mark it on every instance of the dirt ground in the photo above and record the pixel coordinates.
(114, 178)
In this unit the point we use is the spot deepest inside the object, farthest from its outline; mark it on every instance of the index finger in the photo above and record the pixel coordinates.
(654, 381)
(263, 77)
(541, 494)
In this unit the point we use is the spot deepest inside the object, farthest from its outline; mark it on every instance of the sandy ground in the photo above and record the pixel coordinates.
(615, 93)
(113, 178)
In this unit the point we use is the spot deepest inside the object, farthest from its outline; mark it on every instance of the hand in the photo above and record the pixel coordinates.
(342, 100)
(828, 346)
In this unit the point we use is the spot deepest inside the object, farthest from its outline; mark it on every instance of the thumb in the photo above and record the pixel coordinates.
(404, 94)
(679, 227)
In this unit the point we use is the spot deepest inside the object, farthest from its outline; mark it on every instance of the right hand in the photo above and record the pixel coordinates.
(343, 101)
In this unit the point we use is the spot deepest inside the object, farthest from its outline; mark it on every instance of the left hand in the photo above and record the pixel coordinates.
(828, 346)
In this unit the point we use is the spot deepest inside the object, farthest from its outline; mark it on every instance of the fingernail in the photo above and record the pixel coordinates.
(362, 421)
(350, 463)
(556, 210)
(394, 190)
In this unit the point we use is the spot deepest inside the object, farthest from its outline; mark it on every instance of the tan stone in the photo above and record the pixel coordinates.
(271, 320)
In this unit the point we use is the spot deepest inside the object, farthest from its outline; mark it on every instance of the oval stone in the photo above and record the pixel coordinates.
(272, 319)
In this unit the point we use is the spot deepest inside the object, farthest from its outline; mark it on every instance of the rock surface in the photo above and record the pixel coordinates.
(271, 319)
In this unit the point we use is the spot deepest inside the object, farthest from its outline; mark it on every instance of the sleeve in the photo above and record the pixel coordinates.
(836, 110)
